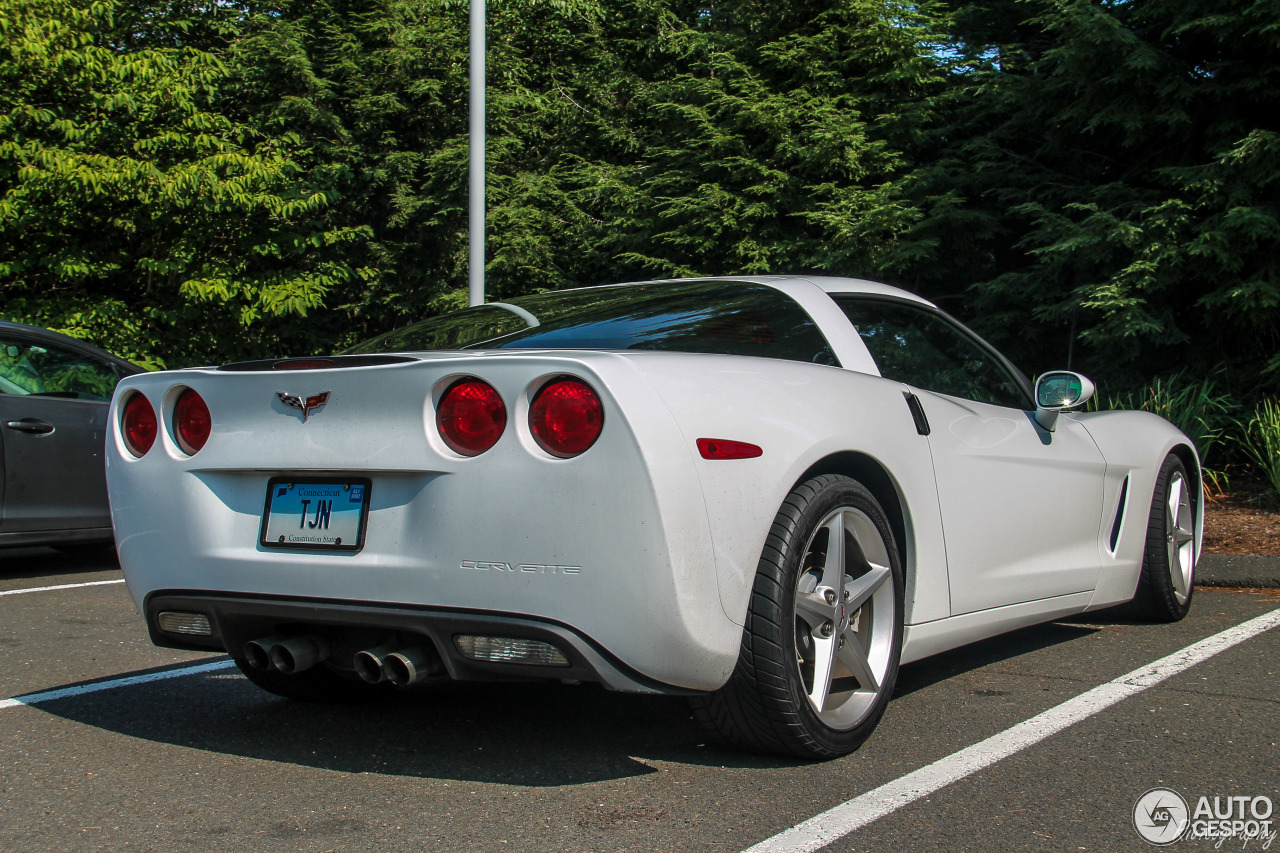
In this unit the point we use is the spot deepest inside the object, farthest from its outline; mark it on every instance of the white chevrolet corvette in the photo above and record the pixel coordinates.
(764, 493)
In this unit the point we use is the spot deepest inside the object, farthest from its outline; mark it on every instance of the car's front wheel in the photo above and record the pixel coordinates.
(1167, 581)
(823, 633)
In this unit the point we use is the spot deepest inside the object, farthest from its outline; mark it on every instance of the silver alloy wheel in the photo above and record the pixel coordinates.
(1180, 534)
(844, 617)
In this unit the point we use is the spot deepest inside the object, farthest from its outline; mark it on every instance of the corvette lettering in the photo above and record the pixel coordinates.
(304, 404)
(528, 568)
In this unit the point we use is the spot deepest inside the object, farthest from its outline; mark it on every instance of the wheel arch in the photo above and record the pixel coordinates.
(872, 474)
(1191, 460)
(1192, 463)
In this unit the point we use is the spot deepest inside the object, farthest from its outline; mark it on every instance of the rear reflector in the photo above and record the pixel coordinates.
(138, 425)
(721, 448)
(177, 622)
(509, 650)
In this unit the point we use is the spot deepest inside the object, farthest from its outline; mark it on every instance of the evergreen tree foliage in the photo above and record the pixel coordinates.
(132, 210)
(627, 139)
(1107, 180)
(1091, 182)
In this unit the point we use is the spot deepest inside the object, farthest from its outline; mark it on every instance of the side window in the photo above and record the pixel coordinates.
(919, 347)
(28, 367)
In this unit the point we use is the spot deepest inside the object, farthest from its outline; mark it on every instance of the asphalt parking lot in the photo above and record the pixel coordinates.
(179, 758)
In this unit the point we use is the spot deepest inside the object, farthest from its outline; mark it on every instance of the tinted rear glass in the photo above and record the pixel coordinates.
(731, 318)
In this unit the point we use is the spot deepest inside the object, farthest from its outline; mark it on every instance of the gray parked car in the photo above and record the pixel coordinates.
(54, 395)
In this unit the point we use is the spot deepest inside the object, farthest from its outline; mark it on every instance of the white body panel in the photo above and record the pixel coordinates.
(643, 558)
(639, 545)
(1131, 440)
(1021, 504)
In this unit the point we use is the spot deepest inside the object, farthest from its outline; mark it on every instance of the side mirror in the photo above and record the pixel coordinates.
(1058, 391)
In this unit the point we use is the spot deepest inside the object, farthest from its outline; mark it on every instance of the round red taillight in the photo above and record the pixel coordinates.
(191, 422)
(138, 425)
(471, 417)
(566, 417)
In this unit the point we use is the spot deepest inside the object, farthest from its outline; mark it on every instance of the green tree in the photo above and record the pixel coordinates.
(626, 139)
(1107, 183)
(136, 212)
(766, 137)
(263, 161)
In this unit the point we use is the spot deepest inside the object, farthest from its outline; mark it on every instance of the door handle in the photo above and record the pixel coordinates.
(31, 425)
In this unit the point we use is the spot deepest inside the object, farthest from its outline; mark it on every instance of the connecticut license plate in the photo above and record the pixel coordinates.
(324, 514)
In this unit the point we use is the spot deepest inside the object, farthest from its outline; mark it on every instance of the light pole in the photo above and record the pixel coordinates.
(475, 263)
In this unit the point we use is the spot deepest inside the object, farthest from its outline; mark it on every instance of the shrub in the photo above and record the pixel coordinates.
(1198, 407)
(1261, 442)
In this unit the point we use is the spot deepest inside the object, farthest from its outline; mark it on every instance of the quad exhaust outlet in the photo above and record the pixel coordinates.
(368, 663)
(289, 655)
(402, 667)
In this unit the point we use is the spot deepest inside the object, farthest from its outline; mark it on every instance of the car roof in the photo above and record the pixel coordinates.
(48, 336)
(828, 283)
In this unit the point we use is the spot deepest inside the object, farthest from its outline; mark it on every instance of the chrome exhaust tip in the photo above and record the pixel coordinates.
(369, 662)
(409, 666)
(258, 652)
(298, 654)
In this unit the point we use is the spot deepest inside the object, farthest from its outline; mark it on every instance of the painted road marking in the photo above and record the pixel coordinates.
(819, 831)
(81, 689)
(60, 586)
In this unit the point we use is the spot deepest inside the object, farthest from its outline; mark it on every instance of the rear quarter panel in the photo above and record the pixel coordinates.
(801, 415)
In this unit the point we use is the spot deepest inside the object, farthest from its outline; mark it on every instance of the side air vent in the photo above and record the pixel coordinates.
(1119, 522)
(327, 363)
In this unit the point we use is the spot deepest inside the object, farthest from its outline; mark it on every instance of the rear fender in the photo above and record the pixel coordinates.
(804, 417)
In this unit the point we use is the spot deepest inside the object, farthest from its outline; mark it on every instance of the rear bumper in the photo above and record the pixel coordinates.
(353, 625)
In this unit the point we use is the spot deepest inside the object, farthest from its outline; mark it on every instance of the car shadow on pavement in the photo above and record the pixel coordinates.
(533, 735)
(20, 563)
(931, 670)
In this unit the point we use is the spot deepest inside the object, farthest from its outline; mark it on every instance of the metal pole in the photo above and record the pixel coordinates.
(475, 264)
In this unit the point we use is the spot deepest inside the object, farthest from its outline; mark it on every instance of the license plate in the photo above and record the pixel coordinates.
(320, 514)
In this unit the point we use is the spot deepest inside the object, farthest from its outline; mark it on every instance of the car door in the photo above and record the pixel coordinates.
(53, 413)
(1021, 506)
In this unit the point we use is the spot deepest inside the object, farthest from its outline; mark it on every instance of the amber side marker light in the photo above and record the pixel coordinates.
(723, 448)
(138, 425)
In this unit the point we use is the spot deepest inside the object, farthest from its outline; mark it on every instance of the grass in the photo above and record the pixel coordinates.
(1260, 441)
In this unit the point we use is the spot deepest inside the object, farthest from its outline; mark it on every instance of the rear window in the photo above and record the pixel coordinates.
(730, 318)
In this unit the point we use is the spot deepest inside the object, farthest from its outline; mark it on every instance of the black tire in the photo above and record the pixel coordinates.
(317, 684)
(767, 705)
(1167, 582)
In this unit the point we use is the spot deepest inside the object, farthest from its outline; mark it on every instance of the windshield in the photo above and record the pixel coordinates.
(730, 318)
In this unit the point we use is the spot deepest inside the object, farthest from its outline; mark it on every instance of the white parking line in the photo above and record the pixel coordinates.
(59, 586)
(823, 829)
(81, 689)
